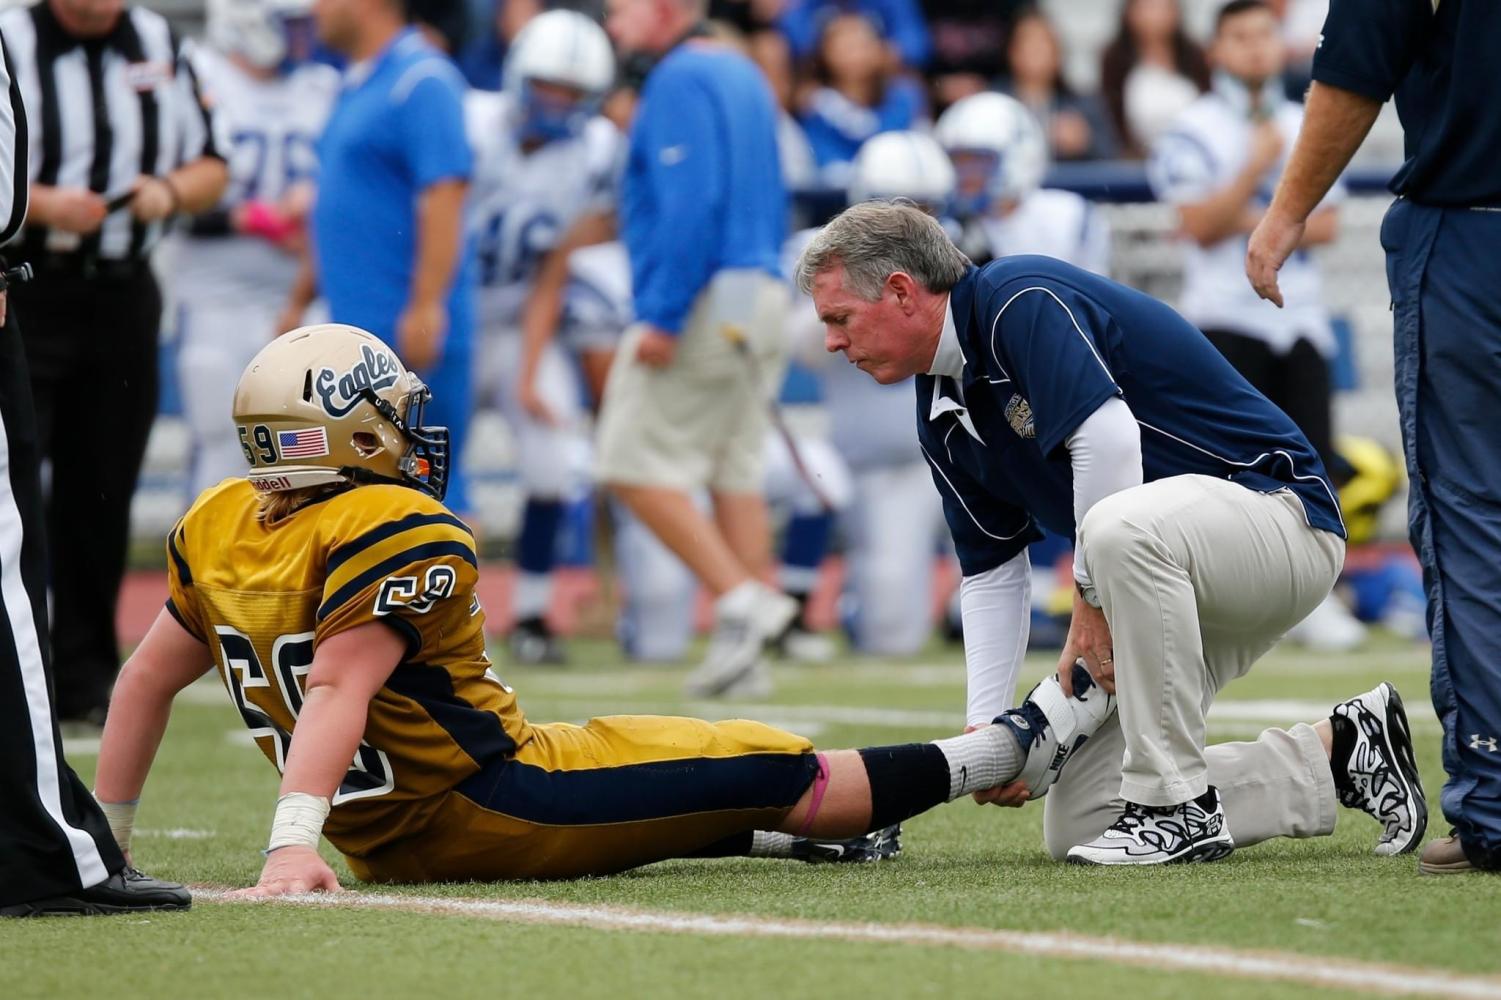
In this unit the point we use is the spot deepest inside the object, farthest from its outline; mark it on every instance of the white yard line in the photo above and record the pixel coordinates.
(1317, 971)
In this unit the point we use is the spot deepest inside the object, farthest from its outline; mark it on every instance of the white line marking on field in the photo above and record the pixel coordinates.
(80, 746)
(1309, 970)
(178, 833)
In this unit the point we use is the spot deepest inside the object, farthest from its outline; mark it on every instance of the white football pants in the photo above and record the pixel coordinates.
(216, 340)
(544, 451)
(892, 527)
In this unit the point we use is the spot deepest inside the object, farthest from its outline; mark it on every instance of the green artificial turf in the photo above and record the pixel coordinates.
(208, 805)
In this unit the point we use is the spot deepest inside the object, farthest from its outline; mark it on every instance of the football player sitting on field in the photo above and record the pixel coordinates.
(335, 596)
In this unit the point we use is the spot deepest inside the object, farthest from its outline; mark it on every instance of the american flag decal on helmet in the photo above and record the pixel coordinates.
(309, 443)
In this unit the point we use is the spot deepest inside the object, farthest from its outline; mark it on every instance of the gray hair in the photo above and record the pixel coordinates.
(876, 239)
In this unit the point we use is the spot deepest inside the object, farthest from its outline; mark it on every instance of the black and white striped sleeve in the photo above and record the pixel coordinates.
(14, 185)
(201, 128)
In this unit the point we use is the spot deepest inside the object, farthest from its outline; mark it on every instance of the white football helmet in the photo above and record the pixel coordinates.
(560, 47)
(903, 165)
(997, 136)
(258, 30)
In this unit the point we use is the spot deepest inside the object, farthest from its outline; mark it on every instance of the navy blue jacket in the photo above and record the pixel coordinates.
(1045, 344)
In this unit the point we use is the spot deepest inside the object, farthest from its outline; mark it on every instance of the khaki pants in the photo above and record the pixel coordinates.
(702, 420)
(1198, 577)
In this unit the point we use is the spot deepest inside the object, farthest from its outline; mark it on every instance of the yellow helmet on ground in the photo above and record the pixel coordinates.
(332, 403)
(1377, 476)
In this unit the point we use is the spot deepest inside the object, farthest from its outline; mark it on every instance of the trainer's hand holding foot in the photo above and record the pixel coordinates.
(291, 870)
(1272, 242)
(1088, 640)
(1012, 795)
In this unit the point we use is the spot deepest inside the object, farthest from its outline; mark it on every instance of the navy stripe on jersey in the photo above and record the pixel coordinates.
(355, 546)
(632, 793)
(183, 573)
(175, 612)
(429, 550)
(479, 733)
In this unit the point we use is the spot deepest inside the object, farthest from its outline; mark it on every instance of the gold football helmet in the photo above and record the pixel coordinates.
(332, 403)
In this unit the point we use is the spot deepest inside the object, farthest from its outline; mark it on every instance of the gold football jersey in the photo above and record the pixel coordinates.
(262, 598)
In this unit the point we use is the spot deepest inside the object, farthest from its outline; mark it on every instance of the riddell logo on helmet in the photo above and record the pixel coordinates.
(268, 484)
(341, 392)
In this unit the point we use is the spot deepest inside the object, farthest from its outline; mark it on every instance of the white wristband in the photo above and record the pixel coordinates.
(122, 820)
(299, 821)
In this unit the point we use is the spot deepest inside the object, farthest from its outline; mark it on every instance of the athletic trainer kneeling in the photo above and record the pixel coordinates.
(1205, 524)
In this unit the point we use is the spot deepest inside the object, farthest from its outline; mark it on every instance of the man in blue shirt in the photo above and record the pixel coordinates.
(1443, 251)
(389, 253)
(1205, 527)
(703, 214)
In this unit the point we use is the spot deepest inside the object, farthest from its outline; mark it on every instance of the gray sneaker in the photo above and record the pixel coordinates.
(734, 663)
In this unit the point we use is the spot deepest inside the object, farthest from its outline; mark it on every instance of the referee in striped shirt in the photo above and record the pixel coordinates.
(57, 851)
(121, 142)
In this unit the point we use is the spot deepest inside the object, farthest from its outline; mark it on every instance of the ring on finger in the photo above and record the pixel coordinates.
(1105, 660)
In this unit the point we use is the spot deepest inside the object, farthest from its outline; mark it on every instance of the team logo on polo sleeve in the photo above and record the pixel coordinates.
(1019, 416)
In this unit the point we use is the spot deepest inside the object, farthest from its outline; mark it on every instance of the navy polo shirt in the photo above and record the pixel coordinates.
(1045, 344)
(1441, 62)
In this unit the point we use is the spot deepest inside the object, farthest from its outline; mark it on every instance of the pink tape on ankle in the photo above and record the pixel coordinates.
(820, 785)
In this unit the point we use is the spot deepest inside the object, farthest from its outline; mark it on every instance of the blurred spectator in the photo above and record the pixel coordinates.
(387, 226)
(857, 95)
(1075, 125)
(1150, 72)
(966, 34)
(1218, 163)
(898, 23)
(481, 59)
(126, 142)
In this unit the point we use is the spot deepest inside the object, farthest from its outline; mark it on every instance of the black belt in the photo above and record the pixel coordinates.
(86, 266)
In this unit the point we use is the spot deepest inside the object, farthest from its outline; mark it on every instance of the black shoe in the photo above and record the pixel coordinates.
(126, 891)
(534, 644)
(878, 845)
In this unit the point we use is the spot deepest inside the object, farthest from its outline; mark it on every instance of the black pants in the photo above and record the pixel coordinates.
(52, 836)
(92, 347)
(1297, 382)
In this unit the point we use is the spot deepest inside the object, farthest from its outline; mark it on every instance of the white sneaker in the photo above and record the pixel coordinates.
(745, 619)
(1144, 835)
(1329, 628)
(1050, 728)
(1377, 772)
(802, 646)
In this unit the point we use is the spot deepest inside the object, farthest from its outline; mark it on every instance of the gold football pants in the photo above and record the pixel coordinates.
(616, 793)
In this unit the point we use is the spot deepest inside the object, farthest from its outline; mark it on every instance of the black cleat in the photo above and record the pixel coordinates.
(878, 845)
(126, 891)
(534, 644)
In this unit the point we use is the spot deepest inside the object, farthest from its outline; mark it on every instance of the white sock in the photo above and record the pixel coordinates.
(982, 759)
(533, 595)
(765, 844)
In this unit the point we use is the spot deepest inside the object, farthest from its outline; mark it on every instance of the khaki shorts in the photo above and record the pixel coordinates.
(701, 421)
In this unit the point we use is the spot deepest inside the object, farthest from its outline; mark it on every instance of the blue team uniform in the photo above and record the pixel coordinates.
(397, 129)
(1443, 244)
(702, 190)
(1045, 344)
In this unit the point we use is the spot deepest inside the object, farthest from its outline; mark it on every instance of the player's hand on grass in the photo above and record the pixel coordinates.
(656, 348)
(419, 334)
(291, 870)
(1089, 640)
